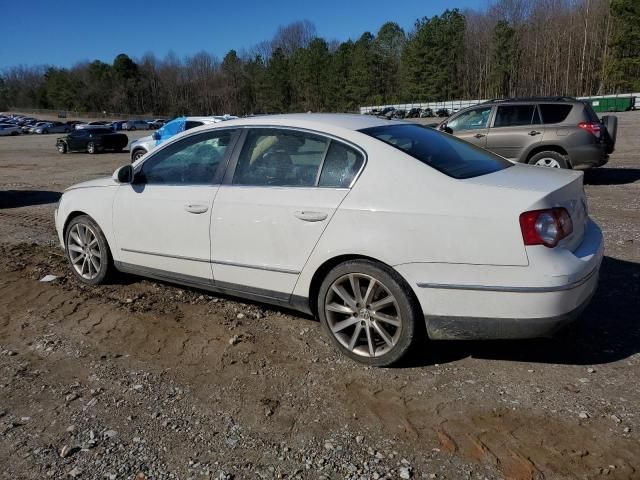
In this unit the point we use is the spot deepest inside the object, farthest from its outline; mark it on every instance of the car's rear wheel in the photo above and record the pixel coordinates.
(62, 148)
(366, 310)
(87, 251)
(549, 159)
(137, 154)
(91, 148)
(132, 129)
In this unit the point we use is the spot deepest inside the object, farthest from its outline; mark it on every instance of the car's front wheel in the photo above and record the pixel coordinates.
(62, 148)
(367, 310)
(549, 159)
(87, 251)
(91, 148)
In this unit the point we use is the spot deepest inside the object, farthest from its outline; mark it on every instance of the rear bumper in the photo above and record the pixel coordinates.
(477, 328)
(588, 156)
(465, 302)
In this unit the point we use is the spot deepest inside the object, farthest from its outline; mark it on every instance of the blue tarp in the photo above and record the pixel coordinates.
(170, 129)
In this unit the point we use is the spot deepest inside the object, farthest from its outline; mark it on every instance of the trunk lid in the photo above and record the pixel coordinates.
(543, 187)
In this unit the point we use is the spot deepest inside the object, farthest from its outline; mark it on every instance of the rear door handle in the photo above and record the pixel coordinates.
(310, 216)
(534, 132)
(193, 208)
(479, 135)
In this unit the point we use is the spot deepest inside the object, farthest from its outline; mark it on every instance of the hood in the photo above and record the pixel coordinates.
(98, 182)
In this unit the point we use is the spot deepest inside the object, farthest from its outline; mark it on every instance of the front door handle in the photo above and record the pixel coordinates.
(479, 135)
(193, 208)
(534, 132)
(309, 216)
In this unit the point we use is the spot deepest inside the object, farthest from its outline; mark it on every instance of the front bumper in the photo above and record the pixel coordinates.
(465, 302)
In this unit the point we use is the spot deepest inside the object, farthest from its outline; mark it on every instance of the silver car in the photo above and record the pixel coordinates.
(132, 125)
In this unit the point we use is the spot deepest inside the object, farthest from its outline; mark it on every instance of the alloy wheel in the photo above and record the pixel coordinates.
(363, 315)
(548, 162)
(84, 251)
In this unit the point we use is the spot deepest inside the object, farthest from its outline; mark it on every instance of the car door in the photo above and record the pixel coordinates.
(281, 190)
(162, 220)
(471, 125)
(77, 140)
(515, 130)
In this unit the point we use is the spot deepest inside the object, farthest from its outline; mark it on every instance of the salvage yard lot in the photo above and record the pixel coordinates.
(141, 377)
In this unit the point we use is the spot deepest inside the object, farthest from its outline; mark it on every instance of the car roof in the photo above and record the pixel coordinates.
(314, 121)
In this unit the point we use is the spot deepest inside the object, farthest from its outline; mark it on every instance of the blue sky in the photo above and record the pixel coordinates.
(64, 32)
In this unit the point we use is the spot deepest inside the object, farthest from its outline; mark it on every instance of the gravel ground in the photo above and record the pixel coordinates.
(140, 379)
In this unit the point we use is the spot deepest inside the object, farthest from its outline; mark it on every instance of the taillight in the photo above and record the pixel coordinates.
(592, 127)
(545, 227)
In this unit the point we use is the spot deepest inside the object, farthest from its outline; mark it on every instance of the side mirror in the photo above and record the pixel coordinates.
(124, 174)
(445, 128)
(155, 136)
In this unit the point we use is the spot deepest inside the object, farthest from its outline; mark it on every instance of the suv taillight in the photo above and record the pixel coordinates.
(592, 127)
(545, 227)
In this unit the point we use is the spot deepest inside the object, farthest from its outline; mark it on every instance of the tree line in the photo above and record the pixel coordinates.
(512, 48)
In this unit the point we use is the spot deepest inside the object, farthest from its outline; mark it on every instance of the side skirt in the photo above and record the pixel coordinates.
(271, 297)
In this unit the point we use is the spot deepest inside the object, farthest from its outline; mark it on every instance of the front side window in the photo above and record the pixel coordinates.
(280, 158)
(471, 120)
(515, 116)
(194, 160)
(446, 153)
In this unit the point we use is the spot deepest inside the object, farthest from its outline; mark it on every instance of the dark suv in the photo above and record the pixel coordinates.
(559, 132)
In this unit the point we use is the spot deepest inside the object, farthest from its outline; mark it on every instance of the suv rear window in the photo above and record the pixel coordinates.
(554, 112)
(447, 154)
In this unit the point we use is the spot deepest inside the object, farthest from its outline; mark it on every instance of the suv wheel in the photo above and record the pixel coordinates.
(365, 309)
(549, 159)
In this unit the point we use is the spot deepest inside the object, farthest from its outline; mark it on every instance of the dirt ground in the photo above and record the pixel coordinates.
(140, 379)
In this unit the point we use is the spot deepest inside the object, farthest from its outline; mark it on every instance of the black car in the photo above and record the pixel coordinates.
(92, 140)
(442, 112)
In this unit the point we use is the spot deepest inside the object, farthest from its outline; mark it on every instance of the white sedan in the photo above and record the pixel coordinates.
(381, 229)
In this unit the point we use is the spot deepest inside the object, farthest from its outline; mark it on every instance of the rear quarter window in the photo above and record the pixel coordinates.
(446, 153)
(554, 112)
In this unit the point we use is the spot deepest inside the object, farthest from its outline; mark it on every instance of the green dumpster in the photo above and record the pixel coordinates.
(613, 104)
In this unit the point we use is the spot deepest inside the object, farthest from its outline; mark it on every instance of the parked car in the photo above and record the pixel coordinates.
(399, 114)
(92, 140)
(386, 112)
(157, 123)
(133, 125)
(558, 132)
(442, 112)
(426, 113)
(117, 125)
(140, 147)
(52, 127)
(299, 211)
(413, 113)
(96, 124)
(9, 129)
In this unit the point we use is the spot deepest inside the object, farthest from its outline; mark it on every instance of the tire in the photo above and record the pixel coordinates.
(132, 129)
(610, 123)
(137, 154)
(91, 148)
(549, 159)
(45, 132)
(351, 320)
(15, 134)
(87, 251)
(62, 148)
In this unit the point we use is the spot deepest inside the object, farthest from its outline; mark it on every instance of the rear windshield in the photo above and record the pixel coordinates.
(447, 154)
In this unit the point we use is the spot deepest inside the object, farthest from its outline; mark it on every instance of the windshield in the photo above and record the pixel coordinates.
(447, 154)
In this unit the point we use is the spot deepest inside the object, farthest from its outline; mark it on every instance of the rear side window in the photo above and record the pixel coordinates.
(554, 112)
(340, 166)
(446, 153)
(514, 115)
